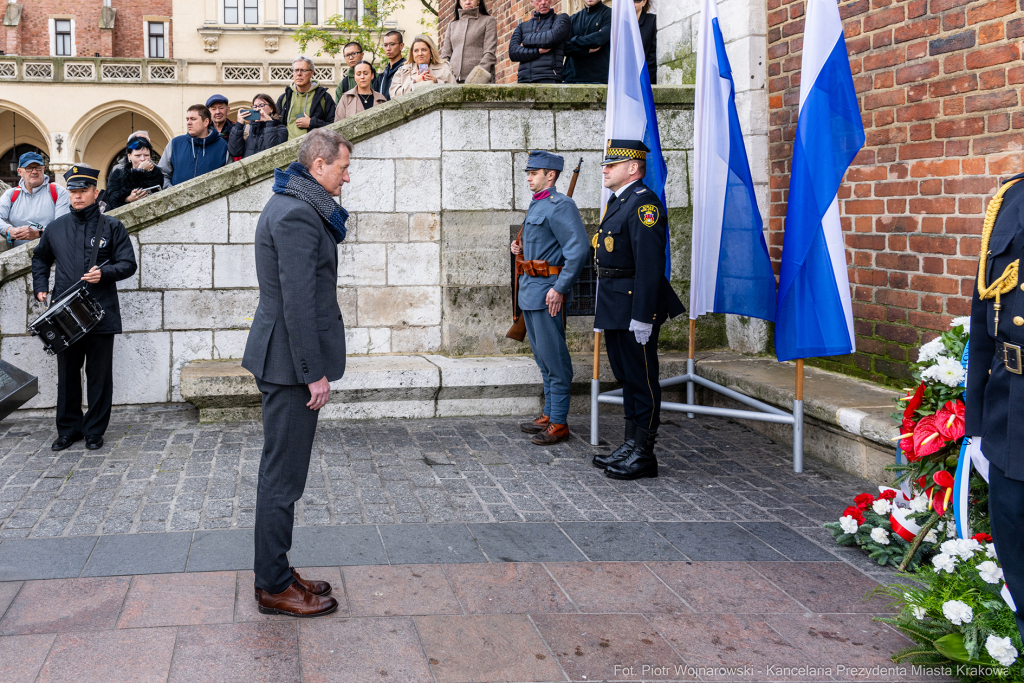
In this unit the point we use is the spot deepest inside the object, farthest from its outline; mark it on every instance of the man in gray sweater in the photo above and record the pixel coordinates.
(34, 202)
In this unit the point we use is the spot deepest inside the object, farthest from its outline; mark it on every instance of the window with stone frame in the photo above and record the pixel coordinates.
(155, 36)
(351, 10)
(291, 12)
(62, 37)
(251, 12)
(230, 11)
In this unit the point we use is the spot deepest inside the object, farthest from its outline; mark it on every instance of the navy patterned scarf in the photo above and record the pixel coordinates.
(299, 183)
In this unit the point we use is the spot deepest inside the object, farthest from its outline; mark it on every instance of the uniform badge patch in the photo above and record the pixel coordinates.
(648, 214)
(609, 244)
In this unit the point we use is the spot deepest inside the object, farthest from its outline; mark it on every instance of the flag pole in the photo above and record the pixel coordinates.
(798, 419)
(689, 364)
(595, 390)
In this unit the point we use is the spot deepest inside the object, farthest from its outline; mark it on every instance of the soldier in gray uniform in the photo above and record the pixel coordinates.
(554, 248)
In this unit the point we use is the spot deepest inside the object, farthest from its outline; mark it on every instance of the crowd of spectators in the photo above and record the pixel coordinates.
(549, 47)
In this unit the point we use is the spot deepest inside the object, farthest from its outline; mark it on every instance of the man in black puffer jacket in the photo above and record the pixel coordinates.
(537, 44)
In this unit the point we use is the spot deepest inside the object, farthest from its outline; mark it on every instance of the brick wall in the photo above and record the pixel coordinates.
(939, 84)
(34, 36)
(508, 14)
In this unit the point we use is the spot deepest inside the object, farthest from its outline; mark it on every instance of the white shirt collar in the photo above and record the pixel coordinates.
(622, 190)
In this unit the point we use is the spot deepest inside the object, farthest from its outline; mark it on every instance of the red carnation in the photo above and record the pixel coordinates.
(927, 439)
(864, 500)
(888, 494)
(854, 512)
(950, 420)
(982, 538)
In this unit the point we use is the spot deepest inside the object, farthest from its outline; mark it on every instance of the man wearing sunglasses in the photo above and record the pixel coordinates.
(34, 202)
(305, 104)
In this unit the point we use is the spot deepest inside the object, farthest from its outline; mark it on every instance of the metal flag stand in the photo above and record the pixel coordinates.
(762, 412)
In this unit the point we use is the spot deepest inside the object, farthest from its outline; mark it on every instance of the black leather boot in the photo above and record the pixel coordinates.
(638, 463)
(602, 461)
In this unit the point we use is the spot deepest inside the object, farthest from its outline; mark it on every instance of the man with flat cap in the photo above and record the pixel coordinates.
(634, 299)
(86, 245)
(554, 248)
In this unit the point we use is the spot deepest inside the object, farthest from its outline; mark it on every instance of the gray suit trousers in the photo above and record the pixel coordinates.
(288, 431)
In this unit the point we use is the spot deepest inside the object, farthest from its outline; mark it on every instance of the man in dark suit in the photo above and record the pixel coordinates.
(296, 347)
(995, 383)
(633, 300)
(86, 246)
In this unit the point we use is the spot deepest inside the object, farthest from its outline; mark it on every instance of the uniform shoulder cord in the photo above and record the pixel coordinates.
(1008, 280)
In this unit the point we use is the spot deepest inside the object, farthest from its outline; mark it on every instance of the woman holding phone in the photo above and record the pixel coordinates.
(263, 128)
(425, 68)
(361, 97)
(139, 178)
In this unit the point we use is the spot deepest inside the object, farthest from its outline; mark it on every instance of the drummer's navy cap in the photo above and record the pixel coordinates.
(79, 177)
(617, 151)
(30, 158)
(544, 161)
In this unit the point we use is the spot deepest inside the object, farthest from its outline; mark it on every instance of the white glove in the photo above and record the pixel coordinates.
(642, 331)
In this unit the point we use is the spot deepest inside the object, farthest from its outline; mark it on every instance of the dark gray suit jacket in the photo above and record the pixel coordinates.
(297, 334)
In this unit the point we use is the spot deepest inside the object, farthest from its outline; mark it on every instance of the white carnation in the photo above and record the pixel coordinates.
(944, 563)
(919, 613)
(990, 550)
(848, 524)
(990, 572)
(919, 504)
(880, 536)
(931, 537)
(962, 320)
(948, 371)
(961, 547)
(881, 507)
(1001, 649)
(957, 612)
(931, 351)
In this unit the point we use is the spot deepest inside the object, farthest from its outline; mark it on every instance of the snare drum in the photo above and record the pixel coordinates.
(67, 320)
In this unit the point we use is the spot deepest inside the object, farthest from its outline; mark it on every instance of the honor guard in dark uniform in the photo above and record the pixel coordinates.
(69, 241)
(634, 299)
(995, 383)
(554, 249)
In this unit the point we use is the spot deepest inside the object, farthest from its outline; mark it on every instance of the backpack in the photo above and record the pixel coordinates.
(17, 191)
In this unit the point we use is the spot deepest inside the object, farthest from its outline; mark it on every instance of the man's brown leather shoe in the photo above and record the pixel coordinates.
(552, 435)
(537, 426)
(315, 587)
(295, 601)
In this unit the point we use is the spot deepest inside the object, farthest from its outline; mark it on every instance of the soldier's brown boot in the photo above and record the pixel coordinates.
(310, 585)
(295, 601)
(552, 435)
(537, 426)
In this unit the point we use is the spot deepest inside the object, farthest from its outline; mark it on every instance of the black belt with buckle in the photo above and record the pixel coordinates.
(615, 272)
(1011, 356)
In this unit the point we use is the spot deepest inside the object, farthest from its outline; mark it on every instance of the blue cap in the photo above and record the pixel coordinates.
(544, 160)
(216, 98)
(30, 158)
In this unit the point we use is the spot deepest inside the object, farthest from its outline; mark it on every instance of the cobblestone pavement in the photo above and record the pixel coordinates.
(161, 470)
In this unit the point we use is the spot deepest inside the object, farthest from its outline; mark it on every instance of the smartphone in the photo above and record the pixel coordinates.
(151, 190)
(424, 68)
(254, 116)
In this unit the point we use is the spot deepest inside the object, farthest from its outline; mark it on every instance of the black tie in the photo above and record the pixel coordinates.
(611, 200)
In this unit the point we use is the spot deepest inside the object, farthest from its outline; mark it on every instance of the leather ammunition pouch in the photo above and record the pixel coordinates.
(537, 268)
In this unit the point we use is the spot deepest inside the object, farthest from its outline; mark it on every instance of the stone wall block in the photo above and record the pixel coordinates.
(383, 227)
(229, 343)
(252, 198)
(141, 311)
(476, 180)
(415, 339)
(579, 129)
(518, 129)
(747, 58)
(417, 263)
(347, 302)
(186, 347)
(202, 225)
(587, 194)
(234, 266)
(391, 306)
(209, 309)
(176, 266)
(419, 185)
(242, 226)
(142, 368)
(132, 282)
(372, 187)
(677, 193)
(424, 227)
(676, 129)
(365, 340)
(14, 297)
(417, 139)
(362, 264)
(464, 129)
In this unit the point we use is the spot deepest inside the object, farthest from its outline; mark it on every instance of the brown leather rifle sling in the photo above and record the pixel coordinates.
(518, 329)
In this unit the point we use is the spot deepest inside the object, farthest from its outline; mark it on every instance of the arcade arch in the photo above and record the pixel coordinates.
(20, 129)
(100, 136)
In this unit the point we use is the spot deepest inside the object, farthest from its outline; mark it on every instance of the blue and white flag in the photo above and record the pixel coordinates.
(630, 110)
(730, 270)
(814, 316)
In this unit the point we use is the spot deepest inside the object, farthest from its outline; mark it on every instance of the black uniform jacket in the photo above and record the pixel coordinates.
(995, 402)
(634, 226)
(64, 241)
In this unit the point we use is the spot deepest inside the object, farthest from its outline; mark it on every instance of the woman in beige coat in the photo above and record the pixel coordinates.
(424, 68)
(361, 97)
(471, 40)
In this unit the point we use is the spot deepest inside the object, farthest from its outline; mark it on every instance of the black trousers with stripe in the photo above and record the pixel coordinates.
(636, 368)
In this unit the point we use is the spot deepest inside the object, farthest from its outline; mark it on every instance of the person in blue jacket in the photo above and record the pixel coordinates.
(554, 248)
(199, 151)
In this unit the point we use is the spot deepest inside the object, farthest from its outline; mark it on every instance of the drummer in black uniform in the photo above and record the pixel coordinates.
(634, 299)
(71, 241)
